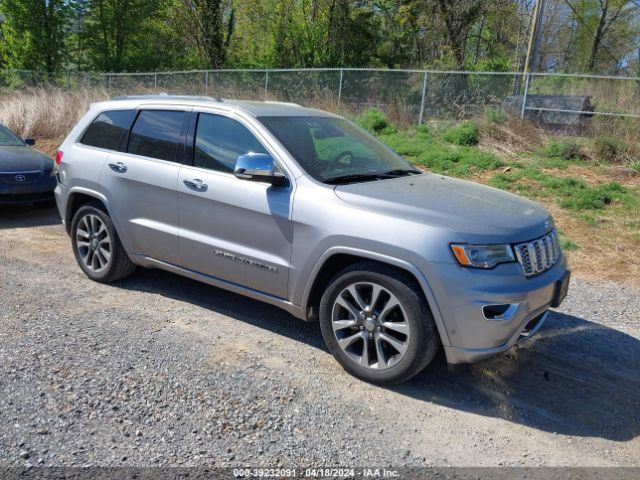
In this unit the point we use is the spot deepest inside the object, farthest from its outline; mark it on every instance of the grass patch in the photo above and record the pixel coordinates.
(495, 115)
(589, 220)
(568, 245)
(466, 134)
(636, 166)
(421, 148)
(571, 193)
(565, 149)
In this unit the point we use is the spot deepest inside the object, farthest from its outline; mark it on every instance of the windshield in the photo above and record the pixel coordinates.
(8, 138)
(333, 148)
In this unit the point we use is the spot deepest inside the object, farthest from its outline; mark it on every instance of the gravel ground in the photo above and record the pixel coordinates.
(161, 370)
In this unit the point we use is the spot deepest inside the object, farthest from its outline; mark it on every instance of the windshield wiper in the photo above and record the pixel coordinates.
(400, 172)
(358, 177)
(368, 177)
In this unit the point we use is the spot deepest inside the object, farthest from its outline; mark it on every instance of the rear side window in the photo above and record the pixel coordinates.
(156, 134)
(108, 129)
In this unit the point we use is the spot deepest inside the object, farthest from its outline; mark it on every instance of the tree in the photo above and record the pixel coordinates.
(208, 30)
(34, 34)
(458, 17)
(114, 27)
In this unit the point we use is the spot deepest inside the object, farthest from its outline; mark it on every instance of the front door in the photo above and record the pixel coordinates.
(231, 229)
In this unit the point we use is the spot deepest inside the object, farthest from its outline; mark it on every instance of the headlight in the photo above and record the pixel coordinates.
(482, 256)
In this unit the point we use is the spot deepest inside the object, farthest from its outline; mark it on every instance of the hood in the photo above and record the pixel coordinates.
(23, 159)
(478, 213)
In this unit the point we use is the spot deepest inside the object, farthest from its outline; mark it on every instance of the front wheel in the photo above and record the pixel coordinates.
(97, 247)
(377, 324)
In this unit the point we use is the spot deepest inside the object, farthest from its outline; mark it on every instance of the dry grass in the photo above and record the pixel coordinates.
(45, 112)
(512, 138)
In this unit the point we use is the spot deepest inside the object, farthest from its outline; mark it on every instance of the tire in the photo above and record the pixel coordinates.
(380, 330)
(97, 247)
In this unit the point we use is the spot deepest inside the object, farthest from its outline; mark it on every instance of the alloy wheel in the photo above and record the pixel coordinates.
(93, 243)
(370, 325)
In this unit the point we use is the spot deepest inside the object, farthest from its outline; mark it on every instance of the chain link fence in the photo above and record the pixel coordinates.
(567, 105)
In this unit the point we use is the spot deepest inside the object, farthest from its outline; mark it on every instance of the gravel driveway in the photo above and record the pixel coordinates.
(161, 370)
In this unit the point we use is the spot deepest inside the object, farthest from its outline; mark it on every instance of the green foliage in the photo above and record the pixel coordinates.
(421, 148)
(495, 115)
(568, 245)
(32, 35)
(573, 194)
(608, 149)
(375, 121)
(465, 134)
(566, 149)
(636, 166)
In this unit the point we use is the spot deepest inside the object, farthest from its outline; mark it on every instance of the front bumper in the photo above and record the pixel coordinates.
(39, 191)
(463, 294)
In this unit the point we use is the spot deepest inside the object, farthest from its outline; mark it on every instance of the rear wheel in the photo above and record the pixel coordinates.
(97, 247)
(377, 324)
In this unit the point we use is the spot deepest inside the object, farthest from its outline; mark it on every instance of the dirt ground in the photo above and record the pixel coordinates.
(124, 374)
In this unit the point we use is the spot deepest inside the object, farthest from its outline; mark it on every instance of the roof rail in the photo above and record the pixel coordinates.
(165, 96)
(291, 104)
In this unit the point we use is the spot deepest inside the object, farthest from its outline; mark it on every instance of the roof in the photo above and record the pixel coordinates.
(255, 108)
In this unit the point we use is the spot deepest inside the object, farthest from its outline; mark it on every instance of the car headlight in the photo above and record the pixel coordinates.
(482, 256)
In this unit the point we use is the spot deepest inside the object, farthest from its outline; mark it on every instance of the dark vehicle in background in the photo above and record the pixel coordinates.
(26, 175)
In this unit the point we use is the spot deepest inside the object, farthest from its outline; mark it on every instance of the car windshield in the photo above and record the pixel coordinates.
(334, 150)
(8, 138)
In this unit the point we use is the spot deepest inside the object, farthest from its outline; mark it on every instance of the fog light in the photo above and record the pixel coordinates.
(502, 311)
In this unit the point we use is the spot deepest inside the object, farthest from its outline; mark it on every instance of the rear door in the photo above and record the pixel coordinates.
(142, 180)
(231, 229)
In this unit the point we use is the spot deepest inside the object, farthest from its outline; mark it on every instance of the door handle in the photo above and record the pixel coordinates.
(118, 167)
(196, 184)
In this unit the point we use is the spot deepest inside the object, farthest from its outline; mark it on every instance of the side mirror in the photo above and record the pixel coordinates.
(29, 141)
(258, 167)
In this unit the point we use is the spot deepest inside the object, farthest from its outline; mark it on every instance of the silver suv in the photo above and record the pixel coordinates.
(304, 210)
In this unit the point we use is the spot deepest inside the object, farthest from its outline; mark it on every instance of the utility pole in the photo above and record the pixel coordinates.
(532, 52)
(534, 39)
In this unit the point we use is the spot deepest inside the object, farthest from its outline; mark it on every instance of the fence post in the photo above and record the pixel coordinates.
(155, 82)
(266, 83)
(424, 97)
(524, 98)
(206, 82)
(68, 79)
(109, 83)
(340, 86)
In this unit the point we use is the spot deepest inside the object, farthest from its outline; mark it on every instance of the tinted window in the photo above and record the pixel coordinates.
(108, 129)
(220, 141)
(156, 134)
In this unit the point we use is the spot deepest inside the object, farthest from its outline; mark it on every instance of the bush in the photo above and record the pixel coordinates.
(495, 115)
(375, 121)
(465, 134)
(608, 149)
(564, 149)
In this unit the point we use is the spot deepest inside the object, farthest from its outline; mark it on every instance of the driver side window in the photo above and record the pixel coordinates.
(219, 141)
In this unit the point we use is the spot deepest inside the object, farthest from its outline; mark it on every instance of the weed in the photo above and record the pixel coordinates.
(466, 134)
(375, 121)
(608, 149)
(495, 115)
(564, 149)
(568, 245)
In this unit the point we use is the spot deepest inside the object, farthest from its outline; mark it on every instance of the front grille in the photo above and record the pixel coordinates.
(19, 178)
(538, 255)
